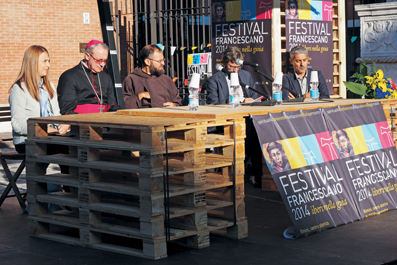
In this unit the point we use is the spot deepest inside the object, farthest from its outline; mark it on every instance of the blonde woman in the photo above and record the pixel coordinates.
(33, 95)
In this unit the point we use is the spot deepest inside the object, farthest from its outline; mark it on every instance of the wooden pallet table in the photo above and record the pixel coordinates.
(120, 169)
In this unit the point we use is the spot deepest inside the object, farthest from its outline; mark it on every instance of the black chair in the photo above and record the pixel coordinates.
(11, 154)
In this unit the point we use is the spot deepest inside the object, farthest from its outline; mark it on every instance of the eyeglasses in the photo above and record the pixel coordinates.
(98, 61)
(159, 61)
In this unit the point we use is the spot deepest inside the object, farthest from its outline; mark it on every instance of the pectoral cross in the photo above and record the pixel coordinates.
(101, 108)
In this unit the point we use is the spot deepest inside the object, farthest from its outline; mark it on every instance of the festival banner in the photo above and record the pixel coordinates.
(247, 25)
(303, 161)
(368, 155)
(332, 166)
(309, 24)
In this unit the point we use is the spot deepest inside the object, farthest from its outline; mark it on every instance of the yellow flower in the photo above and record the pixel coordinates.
(379, 73)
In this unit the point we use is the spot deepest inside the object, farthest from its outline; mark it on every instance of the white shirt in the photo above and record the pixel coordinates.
(303, 83)
(240, 90)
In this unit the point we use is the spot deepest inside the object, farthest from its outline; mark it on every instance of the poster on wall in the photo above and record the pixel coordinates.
(199, 63)
(332, 166)
(247, 25)
(309, 24)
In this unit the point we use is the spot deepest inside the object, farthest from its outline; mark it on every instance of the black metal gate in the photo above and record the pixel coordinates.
(178, 25)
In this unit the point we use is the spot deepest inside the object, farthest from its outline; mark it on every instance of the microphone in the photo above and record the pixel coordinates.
(271, 79)
(221, 68)
(296, 95)
(253, 89)
(241, 62)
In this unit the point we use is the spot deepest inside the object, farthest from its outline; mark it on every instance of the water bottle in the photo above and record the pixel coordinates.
(235, 91)
(194, 92)
(193, 98)
(314, 93)
(277, 85)
(235, 97)
(277, 94)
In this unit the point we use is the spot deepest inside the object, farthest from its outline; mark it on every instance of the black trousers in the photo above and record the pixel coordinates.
(52, 149)
(253, 149)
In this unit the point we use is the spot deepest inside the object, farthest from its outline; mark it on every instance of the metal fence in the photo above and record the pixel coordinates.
(177, 24)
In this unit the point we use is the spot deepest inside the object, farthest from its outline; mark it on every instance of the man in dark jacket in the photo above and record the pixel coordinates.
(299, 79)
(218, 85)
(148, 87)
(218, 92)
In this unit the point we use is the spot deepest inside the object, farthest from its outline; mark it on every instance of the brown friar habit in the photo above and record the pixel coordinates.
(161, 90)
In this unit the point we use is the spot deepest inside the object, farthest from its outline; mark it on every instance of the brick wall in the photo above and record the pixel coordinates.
(55, 24)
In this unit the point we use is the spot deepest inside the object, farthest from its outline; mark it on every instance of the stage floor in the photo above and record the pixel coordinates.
(371, 241)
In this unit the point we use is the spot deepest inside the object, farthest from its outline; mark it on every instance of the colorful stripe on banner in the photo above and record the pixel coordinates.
(248, 10)
(323, 147)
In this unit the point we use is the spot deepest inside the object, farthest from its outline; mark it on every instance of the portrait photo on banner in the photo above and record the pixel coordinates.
(219, 11)
(275, 157)
(291, 11)
(343, 143)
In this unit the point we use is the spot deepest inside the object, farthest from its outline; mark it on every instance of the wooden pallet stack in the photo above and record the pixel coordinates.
(267, 179)
(120, 197)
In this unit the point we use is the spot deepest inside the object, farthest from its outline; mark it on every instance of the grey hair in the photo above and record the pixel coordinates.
(92, 47)
(297, 50)
(231, 54)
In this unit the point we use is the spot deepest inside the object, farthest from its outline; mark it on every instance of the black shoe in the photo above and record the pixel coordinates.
(254, 181)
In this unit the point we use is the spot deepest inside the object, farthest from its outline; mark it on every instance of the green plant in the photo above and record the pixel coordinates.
(373, 85)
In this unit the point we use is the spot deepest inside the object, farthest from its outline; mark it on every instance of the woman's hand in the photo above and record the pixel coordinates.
(63, 128)
(51, 130)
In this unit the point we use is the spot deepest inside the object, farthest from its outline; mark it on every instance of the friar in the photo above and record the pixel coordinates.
(148, 87)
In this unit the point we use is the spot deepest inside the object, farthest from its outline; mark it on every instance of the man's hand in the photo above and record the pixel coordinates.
(143, 95)
(51, 130)
(290, 96)
(169, 104)
(307, 95)
(63, 128)
(247, 100)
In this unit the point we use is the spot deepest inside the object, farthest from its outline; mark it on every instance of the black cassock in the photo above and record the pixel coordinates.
(76, 95)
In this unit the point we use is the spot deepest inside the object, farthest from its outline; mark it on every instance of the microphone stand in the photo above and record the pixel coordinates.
(266, 96)
(298, 98)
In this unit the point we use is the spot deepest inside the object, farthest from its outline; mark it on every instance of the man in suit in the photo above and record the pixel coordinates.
(218, 92)
(218, 85)
(299, 79)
